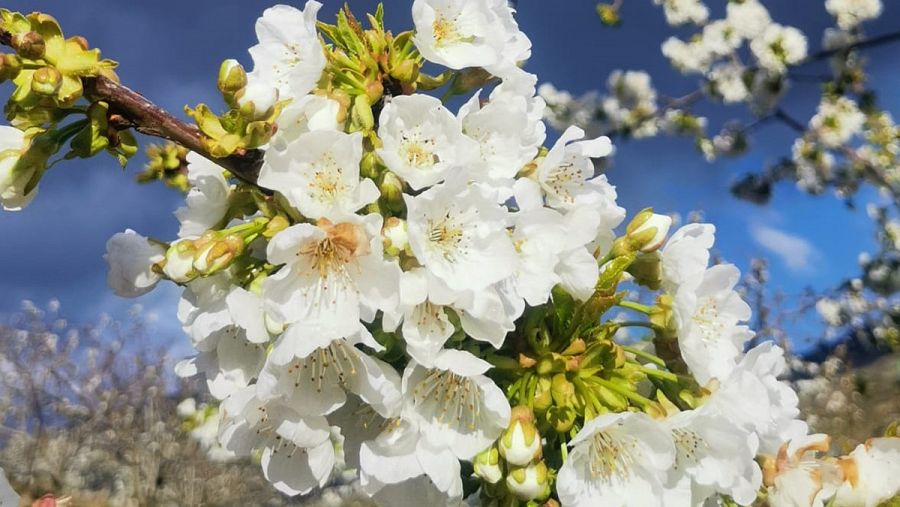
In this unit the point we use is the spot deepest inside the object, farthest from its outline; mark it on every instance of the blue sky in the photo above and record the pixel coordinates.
(170, 51)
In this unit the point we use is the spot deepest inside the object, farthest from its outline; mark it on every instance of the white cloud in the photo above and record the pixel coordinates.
(795, 252)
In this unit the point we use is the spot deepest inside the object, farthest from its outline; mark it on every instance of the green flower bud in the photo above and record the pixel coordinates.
(542, 395)
(391, 188)
(647, 270)
(29, 45)
(370, 167)
(487, 466)
(46, 81)
(406, 71)
(232, 77)
(609, 15)
(520, 443)
(361, 115)
(469, 79)
(561, 419)
(10, 66)
(562, 390)
(276, 225)
(530, 482)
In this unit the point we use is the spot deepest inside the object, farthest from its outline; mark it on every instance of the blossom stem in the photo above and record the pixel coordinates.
(631, 305)
(644, 354)
(653, 372)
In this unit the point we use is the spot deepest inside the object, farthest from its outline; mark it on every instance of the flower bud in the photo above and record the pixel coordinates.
(562, 390)
(647, 231)
(487, 465)
(469, 79)
(609, 14)
(361, 114)
(542, 396)
(10, 66)
(647, 270)
(30, 45)
(81, 41)
(406, 71)
(179, 266)
(561, 418)
(369, 167)
(218, 255)
(257, 100)
(276, 225)
(530, 482)
(232, 77)
(46, 81)
(391, 188)
(520, 443)
(394, 236)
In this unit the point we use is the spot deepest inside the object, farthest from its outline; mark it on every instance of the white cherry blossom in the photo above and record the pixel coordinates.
(15, 176)
(713, 457)
(131, 257)
(753, 398)
(207, 200)
(458, 232)
(617, 460)
(289, 56)
(470, 33)
(708, 312)
(454, 405)
(422, 141)
(318, 174)
(333, 275)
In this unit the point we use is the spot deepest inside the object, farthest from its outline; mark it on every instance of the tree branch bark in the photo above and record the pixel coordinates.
(862, 44)
(130, 109)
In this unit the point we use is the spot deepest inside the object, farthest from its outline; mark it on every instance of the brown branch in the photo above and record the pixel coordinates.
(789, 120)
(129, 109)
(866, 43)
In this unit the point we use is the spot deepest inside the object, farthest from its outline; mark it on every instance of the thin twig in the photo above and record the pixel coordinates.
(866, 43)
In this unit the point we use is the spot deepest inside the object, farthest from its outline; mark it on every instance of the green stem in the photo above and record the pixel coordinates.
(643, 354)
(631, 305)
(653, 372)
(637, 323)
(63, 134)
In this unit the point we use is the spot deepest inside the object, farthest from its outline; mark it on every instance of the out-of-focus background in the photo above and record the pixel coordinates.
(86, 376)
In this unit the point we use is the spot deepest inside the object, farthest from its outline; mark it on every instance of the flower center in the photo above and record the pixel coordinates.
(561, 178)
(341, 246)
(707, 319)
(327, 365)
(447, 236)
(453, 399)
(327, 183)
(612, 456)
(690, 446)
(418, 152)
(445, 31)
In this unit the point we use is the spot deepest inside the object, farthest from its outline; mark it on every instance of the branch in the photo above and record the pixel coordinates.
(129, 109)
(866, 43)
(789, 120)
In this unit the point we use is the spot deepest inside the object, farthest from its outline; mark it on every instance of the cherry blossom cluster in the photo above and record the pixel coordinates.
(421, 295)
